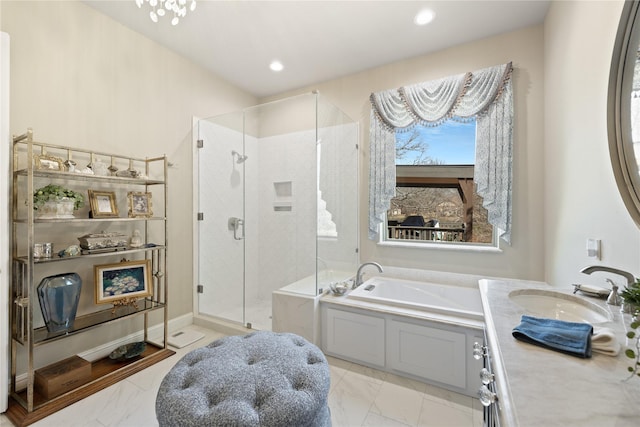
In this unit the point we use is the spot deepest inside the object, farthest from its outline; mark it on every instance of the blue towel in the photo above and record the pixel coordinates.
(567, 337)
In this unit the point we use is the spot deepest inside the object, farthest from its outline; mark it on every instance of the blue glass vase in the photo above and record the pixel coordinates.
(59, 296)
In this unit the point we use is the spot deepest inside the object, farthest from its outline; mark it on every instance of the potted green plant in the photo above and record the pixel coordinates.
(633, 352)
(631, 297)
(55, 201)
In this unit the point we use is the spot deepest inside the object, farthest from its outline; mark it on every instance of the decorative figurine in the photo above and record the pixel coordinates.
(71, 165)
(99, 168)
(136, 239)
(72, 250)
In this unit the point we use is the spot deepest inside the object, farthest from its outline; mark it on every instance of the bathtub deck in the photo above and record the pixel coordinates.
(344, 301)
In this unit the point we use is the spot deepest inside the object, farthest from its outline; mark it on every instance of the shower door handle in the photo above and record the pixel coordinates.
(235, 223)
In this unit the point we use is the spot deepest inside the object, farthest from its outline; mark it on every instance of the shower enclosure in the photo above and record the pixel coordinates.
(277, 206)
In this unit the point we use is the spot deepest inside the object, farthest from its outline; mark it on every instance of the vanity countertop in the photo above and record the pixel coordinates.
(541, 387)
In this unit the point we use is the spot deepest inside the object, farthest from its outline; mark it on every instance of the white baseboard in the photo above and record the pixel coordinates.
(154, 335)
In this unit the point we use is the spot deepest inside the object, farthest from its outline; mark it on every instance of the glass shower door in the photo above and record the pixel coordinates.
(277, 186)
(221, 230)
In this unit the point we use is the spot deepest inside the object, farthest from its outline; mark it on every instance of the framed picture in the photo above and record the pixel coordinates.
(139, 205)
(48, 163)
(127, 280)
(103, 204)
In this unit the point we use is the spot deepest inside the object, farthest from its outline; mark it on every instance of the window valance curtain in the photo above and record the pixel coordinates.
(486, 95)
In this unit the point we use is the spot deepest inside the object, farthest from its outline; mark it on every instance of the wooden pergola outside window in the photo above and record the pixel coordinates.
(443, 176)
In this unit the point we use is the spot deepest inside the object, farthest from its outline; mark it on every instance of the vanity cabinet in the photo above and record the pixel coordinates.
(141, 312)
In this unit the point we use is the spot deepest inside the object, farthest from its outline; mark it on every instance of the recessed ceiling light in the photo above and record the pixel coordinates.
(424, 17)
(276, 66)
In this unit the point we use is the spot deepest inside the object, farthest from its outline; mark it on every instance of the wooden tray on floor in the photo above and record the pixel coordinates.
(104, 372)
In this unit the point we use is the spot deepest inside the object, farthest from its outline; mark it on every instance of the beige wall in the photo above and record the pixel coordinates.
(79, 78)
(524, 258)
(581, 197)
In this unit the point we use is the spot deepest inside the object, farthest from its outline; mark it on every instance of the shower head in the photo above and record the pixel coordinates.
(241, 157)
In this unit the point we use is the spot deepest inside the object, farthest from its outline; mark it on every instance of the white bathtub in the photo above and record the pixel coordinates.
(430, 297)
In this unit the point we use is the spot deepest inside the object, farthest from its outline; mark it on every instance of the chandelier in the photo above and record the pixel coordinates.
(162, 7)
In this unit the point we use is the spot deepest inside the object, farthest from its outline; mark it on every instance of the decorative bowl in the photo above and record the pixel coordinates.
(339, 288)
(128, 351)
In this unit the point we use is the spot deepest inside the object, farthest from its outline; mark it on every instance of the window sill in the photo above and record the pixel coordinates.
(441, 246)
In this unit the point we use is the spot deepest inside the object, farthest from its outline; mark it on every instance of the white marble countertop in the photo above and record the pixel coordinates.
(541, 387)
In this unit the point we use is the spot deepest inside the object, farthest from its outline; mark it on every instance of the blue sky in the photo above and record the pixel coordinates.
(452, 143)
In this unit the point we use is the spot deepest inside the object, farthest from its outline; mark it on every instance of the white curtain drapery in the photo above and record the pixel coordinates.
(485, 94)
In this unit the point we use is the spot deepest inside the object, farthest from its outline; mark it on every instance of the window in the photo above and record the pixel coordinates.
(435, 199)
(487, 96)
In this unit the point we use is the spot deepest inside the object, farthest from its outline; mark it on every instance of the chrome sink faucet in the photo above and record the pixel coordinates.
(614, 297)
(358, 281)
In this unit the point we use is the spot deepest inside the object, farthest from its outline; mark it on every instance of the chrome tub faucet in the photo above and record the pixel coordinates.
(358, 280)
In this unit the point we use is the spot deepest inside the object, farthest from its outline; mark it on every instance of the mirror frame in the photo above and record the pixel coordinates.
(623, 160)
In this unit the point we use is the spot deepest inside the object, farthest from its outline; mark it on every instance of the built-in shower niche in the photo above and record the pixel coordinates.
(283, 193)
(294, 166)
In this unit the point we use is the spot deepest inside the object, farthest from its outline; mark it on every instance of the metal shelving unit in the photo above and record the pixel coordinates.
(149, 175)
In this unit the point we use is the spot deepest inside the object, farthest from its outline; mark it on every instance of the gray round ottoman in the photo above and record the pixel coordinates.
(259, 379)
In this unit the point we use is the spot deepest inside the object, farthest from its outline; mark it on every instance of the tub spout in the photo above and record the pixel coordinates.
(358, 281)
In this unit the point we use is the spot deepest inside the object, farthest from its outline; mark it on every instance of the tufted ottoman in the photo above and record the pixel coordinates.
(259, 379)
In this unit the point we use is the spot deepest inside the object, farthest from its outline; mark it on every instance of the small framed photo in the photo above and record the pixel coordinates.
(127, 280)
(48, 163)
(139, 205)
(103, 204)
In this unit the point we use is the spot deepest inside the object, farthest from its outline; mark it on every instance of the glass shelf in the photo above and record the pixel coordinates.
(83, 323)
(77, 220)
(85, 177)
(24, 259)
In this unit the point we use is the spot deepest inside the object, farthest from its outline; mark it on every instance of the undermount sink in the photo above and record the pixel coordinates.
(559, 306)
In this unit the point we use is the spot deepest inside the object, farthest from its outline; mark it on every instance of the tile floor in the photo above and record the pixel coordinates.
(359, 396)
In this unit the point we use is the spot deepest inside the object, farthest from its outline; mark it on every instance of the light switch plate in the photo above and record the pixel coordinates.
(593, 248)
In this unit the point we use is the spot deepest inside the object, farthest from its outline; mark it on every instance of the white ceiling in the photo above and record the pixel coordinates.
(317, 40)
